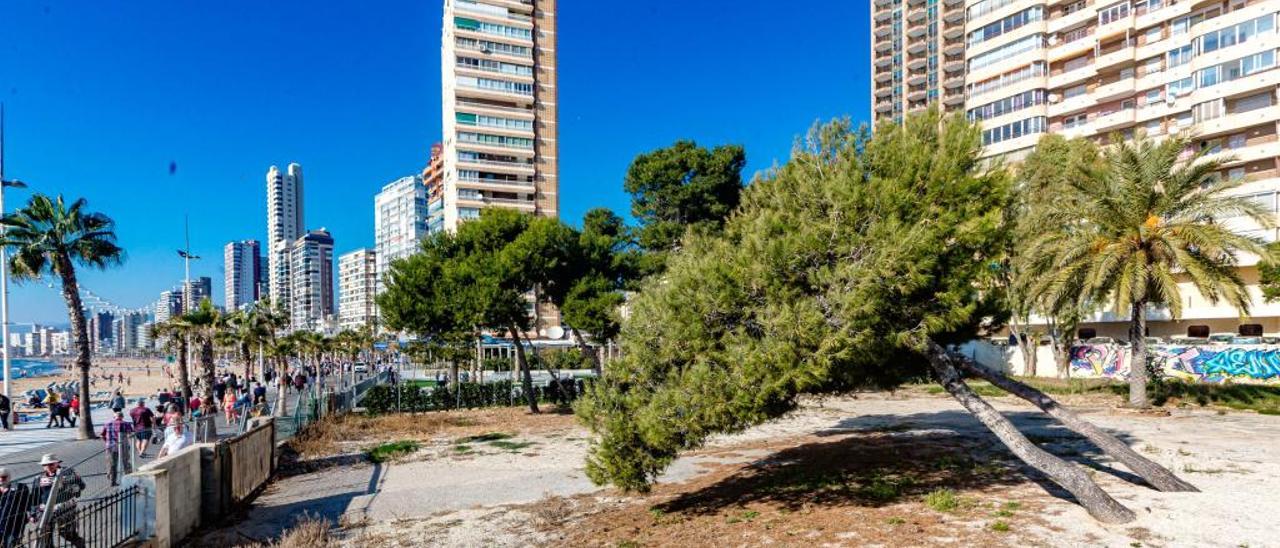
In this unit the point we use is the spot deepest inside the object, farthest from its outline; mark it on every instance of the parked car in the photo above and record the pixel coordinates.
(1221, 338)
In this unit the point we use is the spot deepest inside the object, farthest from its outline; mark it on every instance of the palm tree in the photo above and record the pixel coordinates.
(1145, 220)
(245, 331)
(174, 333)
(49, 236)
(205, 323)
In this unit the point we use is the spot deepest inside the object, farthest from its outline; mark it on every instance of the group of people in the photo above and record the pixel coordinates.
(237, 396)
(63, 404)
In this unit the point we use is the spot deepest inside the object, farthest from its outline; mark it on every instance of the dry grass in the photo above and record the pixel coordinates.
(307, 532)
(552, 510)
(328, 437)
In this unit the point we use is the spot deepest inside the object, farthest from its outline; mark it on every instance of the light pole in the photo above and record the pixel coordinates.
(4, 273)
(187, 291)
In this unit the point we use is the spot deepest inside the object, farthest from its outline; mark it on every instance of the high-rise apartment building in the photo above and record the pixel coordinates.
(284, 227)
(917, 56)
(195, 291)
(168, 306)
(399, 220)
(1097, 69)
(311, 278)
(433, 180)
(357, 282)
(498, 59)
(242, 266)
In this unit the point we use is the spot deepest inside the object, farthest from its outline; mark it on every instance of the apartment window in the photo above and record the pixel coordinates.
(1151, 66)
(486, 27)
(492, 47)
(984, 7)
(1180, 56)
(1208, 110)
(1153, 127)
(1252, 102)
(1147, 6)
(1007, 79)
(1076, 120)
(1076, 63)
(1074, 7)
(1236, 34)
(495, 140)
(1235, 69)
(1075, 34)
(1075, 91)
(494, 66)
(1151, 97)
(1182, 119)
(1007, 105)
(1236, 141)
(1113, 13)
(1180, 26)
(1180, 87)
(1023, 45)
(1237, 174)
(467, 213)
(1152, 35)
(519, 88)
(1008, 24)
(1021, 128)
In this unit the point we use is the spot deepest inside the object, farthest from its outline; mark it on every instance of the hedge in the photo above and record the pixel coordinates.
(468, 395)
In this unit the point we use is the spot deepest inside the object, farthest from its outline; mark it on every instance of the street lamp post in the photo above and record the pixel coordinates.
(4, 275)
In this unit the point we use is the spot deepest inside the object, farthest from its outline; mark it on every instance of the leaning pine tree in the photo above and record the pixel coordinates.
(851, 266)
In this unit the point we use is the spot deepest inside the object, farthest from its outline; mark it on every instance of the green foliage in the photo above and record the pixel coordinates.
(50, 236)
(827, 279)
(942, 500)
(391, 450)
(682, 187)
(1269, 274)
(1000, 526)
(382, 399)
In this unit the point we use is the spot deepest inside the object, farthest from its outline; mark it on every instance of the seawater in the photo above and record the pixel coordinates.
(21, 369)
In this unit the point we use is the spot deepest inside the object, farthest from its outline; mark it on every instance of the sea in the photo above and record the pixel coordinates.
(22, 368)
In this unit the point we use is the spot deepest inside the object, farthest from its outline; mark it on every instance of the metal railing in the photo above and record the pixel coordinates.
(60, 518)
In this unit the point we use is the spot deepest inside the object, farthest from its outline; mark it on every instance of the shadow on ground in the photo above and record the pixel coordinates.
(872, 460)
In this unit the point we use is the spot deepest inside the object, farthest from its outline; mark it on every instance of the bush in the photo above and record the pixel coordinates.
(391, 450)
(468, 395)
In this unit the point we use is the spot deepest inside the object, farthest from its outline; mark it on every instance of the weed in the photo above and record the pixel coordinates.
(1151, 449)
(513, 446)
(391, 450)
(628, 544)
(308, 532)
(463, 448)
(895, 521)
(490, 437)
(1012, 505)
(942, 500)
(747, 516)
(552, 511)
(1190, 469)
(1002, 513)
(1000, 526)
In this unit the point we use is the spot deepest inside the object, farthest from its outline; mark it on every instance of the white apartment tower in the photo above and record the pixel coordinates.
(284, 227)
(241, 270)
(1096, 68)
(498, 59)
(399, 220)
(311, 281)
(357, 280)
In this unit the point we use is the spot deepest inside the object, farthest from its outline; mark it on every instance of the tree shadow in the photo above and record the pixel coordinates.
(873, 460)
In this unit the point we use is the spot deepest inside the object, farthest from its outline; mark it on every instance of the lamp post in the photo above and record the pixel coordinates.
(4, 272)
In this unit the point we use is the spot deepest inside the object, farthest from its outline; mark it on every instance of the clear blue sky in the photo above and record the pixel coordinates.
(102, 96)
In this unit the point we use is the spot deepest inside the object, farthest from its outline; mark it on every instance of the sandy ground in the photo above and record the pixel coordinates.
(530, 488)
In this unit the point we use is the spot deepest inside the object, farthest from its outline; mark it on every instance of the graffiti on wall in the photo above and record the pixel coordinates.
(1190, 363)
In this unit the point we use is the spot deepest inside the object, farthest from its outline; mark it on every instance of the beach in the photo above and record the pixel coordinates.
(142, 376)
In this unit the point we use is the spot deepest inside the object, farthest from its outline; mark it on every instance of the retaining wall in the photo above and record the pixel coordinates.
(171, 489)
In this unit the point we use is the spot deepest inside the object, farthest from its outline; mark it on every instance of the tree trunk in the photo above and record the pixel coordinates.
(587, 351)
(184, 376)
(282, 393)
(526, 380)
(1062, 354)
(1098, 503)
(79, 332)
(1158, 476)
(248, 361)
(1138, 367)
(206, 376)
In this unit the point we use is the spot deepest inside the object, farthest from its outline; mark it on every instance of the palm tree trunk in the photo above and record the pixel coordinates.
(587, 351)
(184, 376)
(248, 361)
(206, 375)
(1097, 502)
(1138, 367)
(526, 380)
(1158, 476)
(79, 332)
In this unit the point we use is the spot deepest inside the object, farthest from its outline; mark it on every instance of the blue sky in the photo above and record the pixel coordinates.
(103, 96)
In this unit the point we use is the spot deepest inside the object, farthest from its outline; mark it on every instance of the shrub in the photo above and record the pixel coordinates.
(942, 500)
(467, 395)
(390, 450)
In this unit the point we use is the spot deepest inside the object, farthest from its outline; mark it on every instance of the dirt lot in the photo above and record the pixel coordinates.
(891, 470)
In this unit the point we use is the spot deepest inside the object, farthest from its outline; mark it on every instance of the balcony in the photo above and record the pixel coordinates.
(884, 3)
(1235, 120)
(953, 99)
(1071, 44)
(885, 61)
(953, 32)
(1072, 76)
(953, 65)
(1114, 58)
(916, 63)
(1114, 90)
(1115, 27)
(1069, 106)
(519, 168)
(884, 46)
(883, 91)
(1114, 120)
(954, 81)
(916, 31)
(953, 47)
(954, 15)
(916, 95)
(883, 17)
(916, 16)
(915, 78)
(883, 32)
(916, 48)
(883, 76)
(483, 201)
(1088, 13)
(884, 107)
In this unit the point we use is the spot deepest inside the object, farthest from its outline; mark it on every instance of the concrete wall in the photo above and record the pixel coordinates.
(1250, 364)
(1009, 359)
(251, 458)
(171, 488)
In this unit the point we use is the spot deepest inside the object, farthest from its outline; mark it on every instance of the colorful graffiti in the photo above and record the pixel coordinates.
(1099, 360)
(1213, 364)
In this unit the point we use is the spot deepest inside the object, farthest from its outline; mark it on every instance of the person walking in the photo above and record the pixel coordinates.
(62, 514)
(143, 422)
(51, 403)
(71, 411)
(6, 407)
(117, 402)
(15, 500)
(113, 434)
(259, 394)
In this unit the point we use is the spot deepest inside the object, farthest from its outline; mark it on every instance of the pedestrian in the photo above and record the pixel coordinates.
(219, 389)
(15, 500)
(176, 436)
(62, 515)
(229, 407)
(113, 433)
(71, 411)
(196, 405)
(259, 393)
(143, 422)
(117, 402)
(51, 403)
(300, 382)
(6, 407)
(162, 396)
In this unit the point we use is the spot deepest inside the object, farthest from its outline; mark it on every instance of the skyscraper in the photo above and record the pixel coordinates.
(918, 55)
(195, 291)
(168, 306)
(399, 220)
(498, 59)
(433, 180)
(242, 270)
(311, 277)
(357, 280)
(284, 226)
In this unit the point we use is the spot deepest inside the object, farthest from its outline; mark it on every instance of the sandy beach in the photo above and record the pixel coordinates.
(142, 376)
